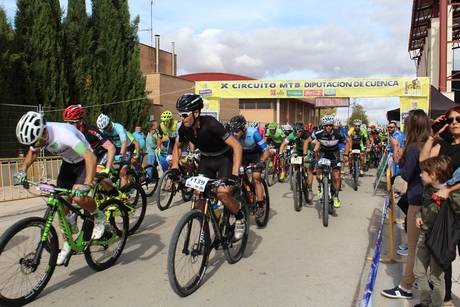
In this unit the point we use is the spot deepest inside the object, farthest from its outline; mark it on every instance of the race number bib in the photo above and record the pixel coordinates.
(324, 162)
(198, 183)
(356, 151)
(296, 160)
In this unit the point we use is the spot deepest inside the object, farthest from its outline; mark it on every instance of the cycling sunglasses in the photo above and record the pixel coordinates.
(184, 115)
(328, 125)
(450, 120)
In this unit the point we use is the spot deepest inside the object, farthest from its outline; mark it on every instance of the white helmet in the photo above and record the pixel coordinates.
(102, 121)
(327, 120)
(30, 128)
(357, 122)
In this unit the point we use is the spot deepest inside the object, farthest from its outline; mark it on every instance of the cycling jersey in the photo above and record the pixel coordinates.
(276, 137)
(358, 138)
(96, 139)
(252, 141)
(292, 139)
(66, 141)
(209, 138)
(118, 135)
(329, 141)
(375, 136)
(170, 131)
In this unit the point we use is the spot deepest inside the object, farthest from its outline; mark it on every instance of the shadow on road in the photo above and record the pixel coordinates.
(254, 241)
(141, 247)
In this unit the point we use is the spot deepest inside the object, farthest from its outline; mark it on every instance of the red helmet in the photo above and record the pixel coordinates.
(73, 112)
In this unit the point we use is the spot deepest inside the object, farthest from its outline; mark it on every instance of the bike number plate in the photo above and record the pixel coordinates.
(324, 162)
(296, 160)
(356, 151)
(198, 183)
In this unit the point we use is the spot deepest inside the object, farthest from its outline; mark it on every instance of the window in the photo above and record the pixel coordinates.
(250, 105)
(264, 105)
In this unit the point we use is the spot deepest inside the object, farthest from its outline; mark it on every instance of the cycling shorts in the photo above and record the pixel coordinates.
(71, 174)
(251, 157)
(334, 157)
(216, 167)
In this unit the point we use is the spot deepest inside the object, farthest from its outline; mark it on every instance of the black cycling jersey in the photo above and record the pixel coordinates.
(96, 139)
(209, 138)
(329, 142)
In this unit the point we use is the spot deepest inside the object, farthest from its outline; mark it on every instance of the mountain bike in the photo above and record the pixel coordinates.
(147, 182)
(198, 232)
(261, 213)
(272, 168)
(326, 190)
(29, 248)
(355, 167)
(299, 182)
(168, 187)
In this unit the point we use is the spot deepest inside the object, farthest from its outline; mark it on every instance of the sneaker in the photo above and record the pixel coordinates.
(240, 228)
(402, 252)
(282, 176)
(318, 192)
(397, 292)
(99, 225)
(260, 211)
(336, 202)
(63, 254)
(403, 246)
(361, 173)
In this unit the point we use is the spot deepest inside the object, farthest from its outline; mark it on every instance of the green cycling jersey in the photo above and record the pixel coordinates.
(276, 136)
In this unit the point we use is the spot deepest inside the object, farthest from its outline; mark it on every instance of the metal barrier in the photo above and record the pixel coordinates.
(44, 169)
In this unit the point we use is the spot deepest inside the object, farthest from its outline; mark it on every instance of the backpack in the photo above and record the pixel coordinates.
(442, 239)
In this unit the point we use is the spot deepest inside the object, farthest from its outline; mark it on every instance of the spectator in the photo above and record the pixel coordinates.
(140, 138)
(417, 132)
(435, 171)
(446, 142)
(395, 145)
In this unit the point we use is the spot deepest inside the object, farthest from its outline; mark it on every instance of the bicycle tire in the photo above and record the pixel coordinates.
(136, 213)
(325, 199)
(297, 182)
(270, 173)
(305, 187)
(52, 248)
(229, 241)
(114, 230)
(195, 281)
(355, 174)
(150, 184)
(263, 220)
(164, 204)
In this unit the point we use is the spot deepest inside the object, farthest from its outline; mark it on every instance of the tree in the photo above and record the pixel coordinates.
(358, 113)
(38, 38)
(77, 55)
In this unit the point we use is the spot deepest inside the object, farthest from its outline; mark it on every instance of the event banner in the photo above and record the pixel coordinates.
(354, 87)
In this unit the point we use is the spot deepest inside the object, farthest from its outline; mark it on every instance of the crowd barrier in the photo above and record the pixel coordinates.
(44, 169)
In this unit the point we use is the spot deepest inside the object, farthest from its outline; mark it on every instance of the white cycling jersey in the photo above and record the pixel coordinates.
(66, 141)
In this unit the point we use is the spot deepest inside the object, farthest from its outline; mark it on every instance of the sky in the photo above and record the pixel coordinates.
(274, 39)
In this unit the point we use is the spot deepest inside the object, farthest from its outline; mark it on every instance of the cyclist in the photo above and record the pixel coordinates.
(302, 142)
(374, 139)
(221, 153)
(102, 147)
(359, 140)
(117, 134)
(78, 166)
(168, 128)
(327, 146)
(274, 136)
(255, 150)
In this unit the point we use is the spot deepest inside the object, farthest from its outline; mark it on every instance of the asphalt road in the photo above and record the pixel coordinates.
(294, 261)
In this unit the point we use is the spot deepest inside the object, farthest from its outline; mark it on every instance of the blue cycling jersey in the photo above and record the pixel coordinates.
(252, 141)
(118, 135)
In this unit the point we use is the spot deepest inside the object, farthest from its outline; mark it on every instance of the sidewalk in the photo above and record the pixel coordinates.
(16, 207)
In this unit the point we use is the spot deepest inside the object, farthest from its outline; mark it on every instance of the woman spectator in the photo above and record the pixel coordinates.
(446, 142)
(417, 132)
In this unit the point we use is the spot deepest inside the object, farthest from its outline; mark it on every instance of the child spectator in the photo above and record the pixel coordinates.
(435, 172)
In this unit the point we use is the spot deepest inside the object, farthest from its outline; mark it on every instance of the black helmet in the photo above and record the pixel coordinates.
(237, 122)
(298, 127)
(189, 102)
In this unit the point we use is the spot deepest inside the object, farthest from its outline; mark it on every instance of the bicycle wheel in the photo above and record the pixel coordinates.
(103, 253)
(188, 254)
(150, 184)
(263, 219)
(136, 205)
(325, 200)
(269, 172)
(21, 280)
(234, 249)
(166, 191)
(297, 191)
(355, 174)
(305, 187)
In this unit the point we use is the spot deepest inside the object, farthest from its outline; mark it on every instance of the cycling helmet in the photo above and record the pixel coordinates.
(165, 116)
(237, 122)
(30, 128)
(327, 120)
(73, 113)
(298, 127)
(102, 121)
(254, 125)
(357, 122)
(372, 125)
(287, 128)
(271, 126)
(189, 102)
